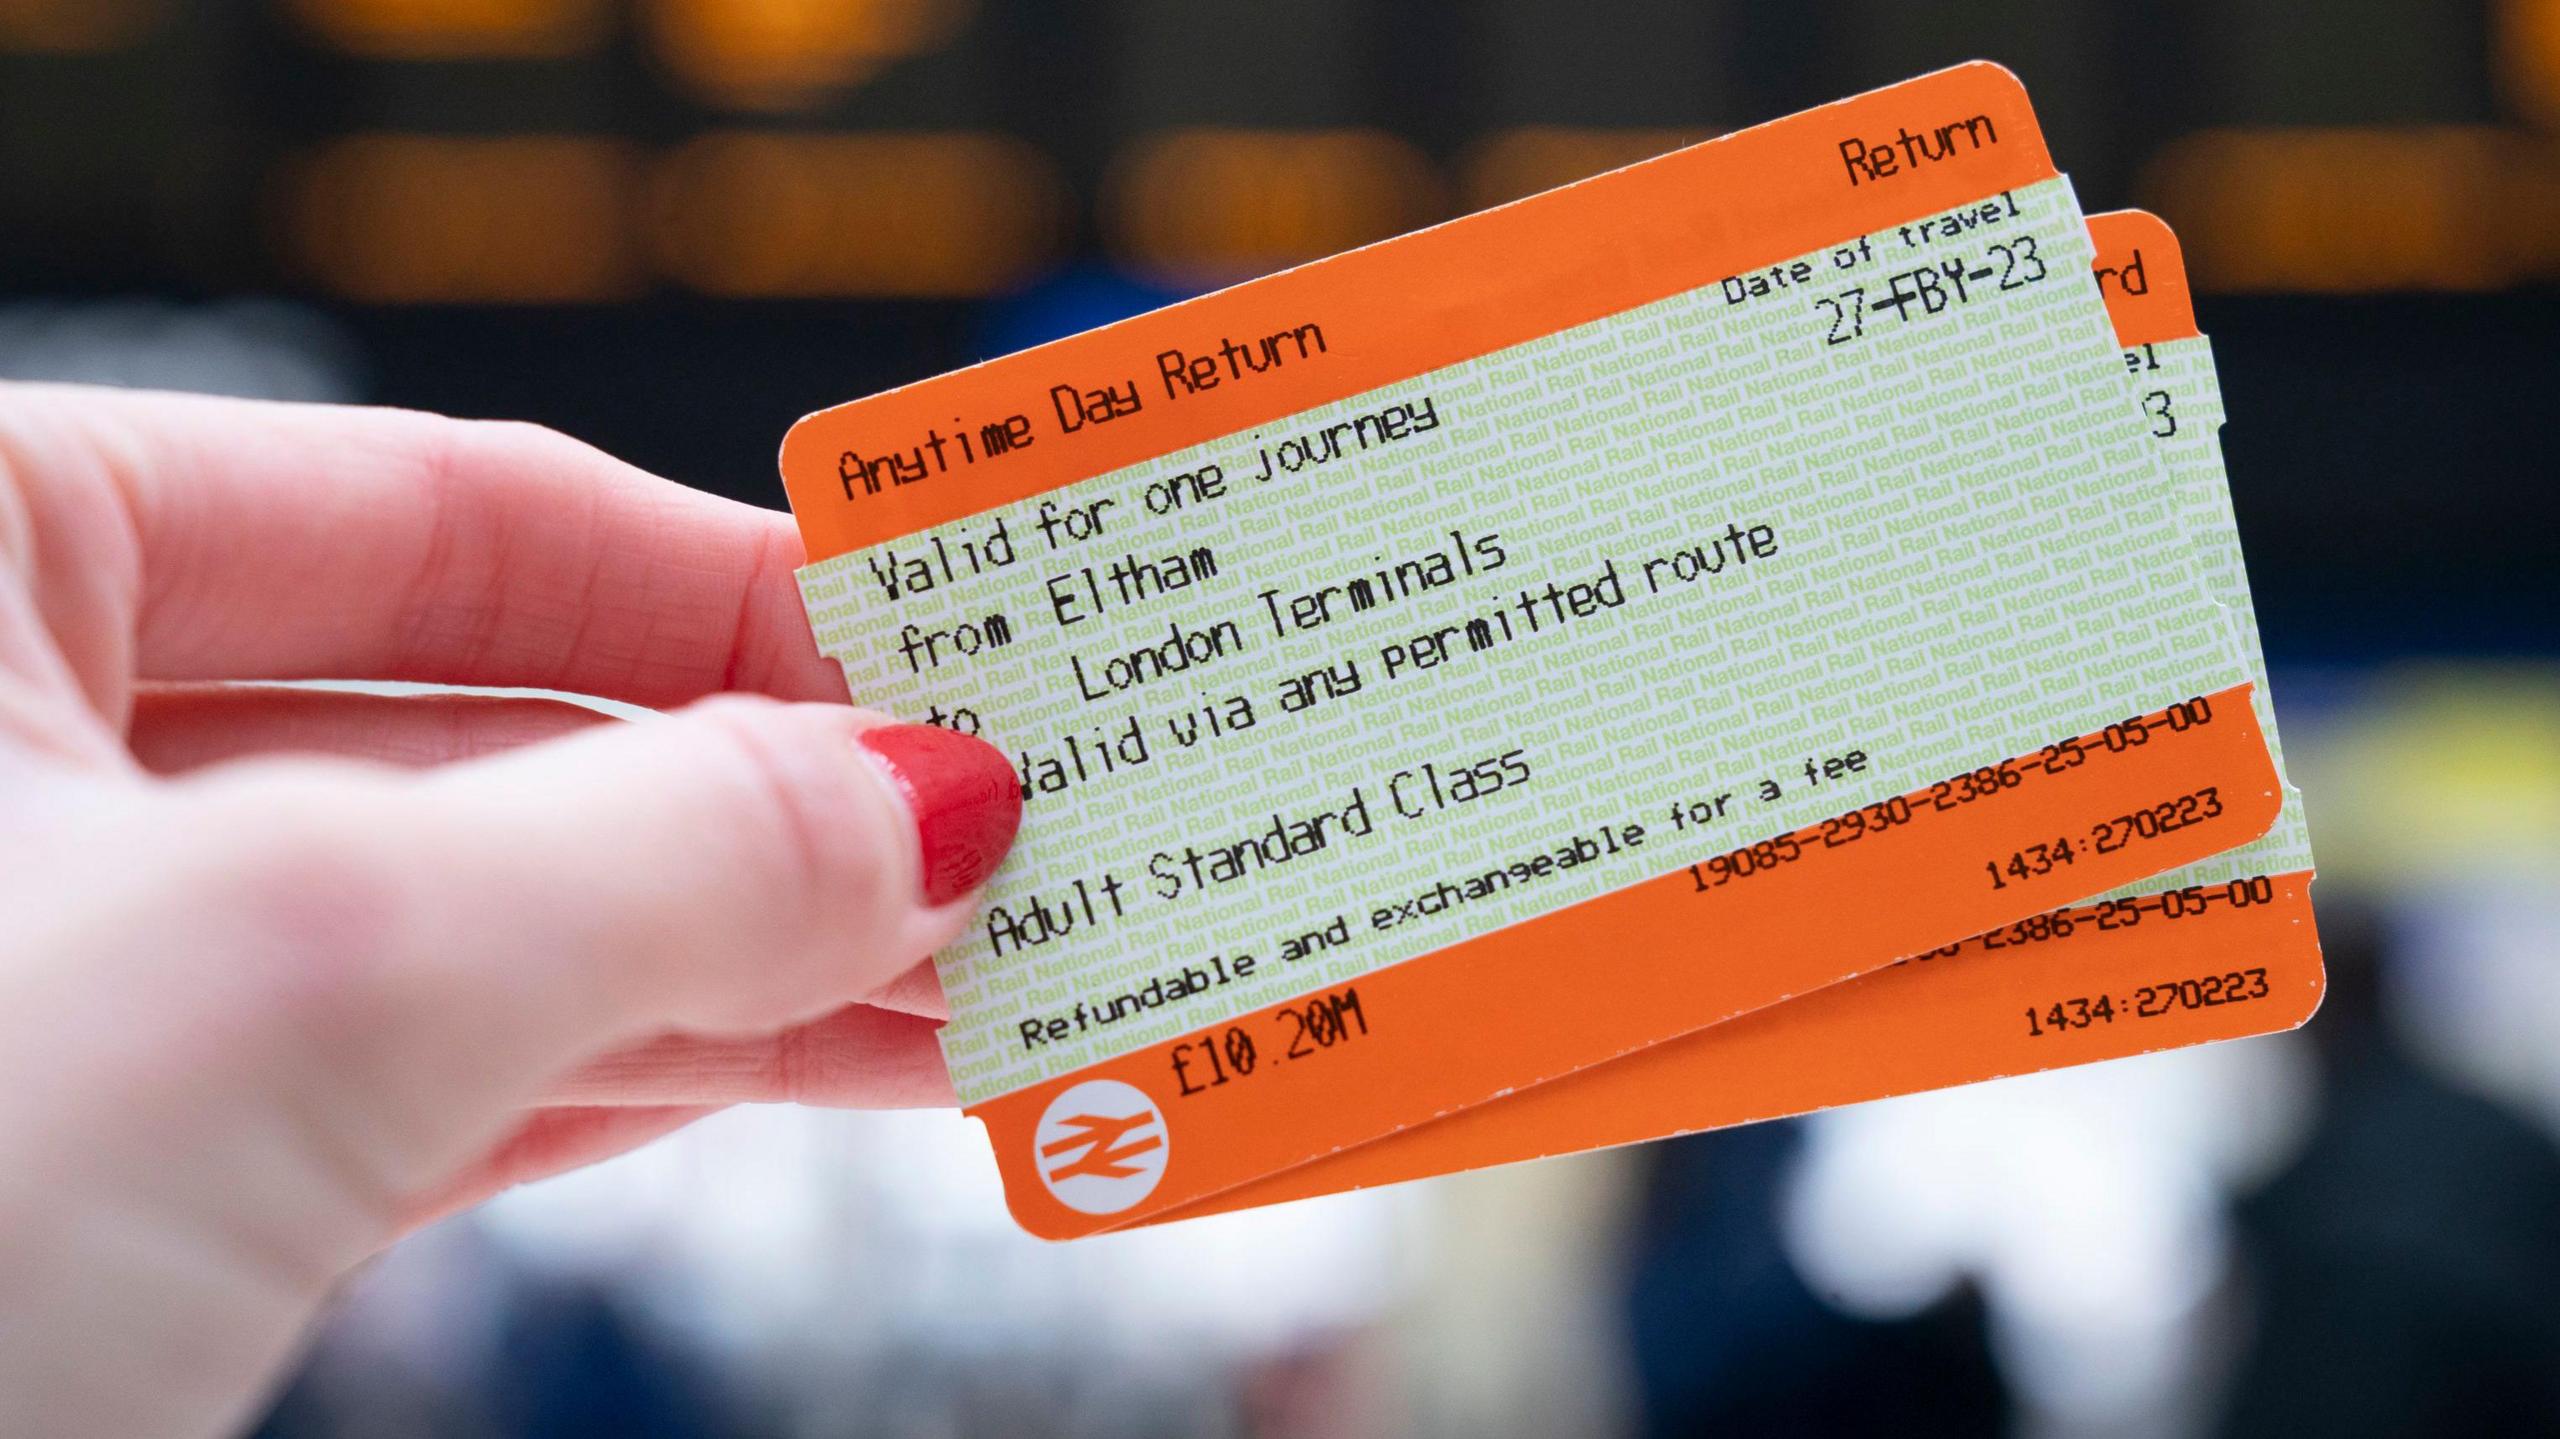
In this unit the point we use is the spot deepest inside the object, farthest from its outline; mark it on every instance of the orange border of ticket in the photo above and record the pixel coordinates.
(2128, 241)
(1504, 1011)
(1928, 1023)
(1413, 304)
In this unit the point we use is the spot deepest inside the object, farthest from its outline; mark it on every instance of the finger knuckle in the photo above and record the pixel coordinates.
(517, 437)
(808, 827)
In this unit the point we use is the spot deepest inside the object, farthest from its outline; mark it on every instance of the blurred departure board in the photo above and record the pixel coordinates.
(673, 226)
(599, 151)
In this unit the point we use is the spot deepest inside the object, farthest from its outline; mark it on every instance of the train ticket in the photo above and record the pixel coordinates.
(1473, 658)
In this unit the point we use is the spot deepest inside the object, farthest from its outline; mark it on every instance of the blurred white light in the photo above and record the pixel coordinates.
(780, 1236)
(2084, 1204)
(260, 349)
(2473, 982)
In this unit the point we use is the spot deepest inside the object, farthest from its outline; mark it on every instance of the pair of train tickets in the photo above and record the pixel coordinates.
(1758, 630)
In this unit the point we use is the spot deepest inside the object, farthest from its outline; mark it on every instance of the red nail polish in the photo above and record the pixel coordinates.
(965, 797)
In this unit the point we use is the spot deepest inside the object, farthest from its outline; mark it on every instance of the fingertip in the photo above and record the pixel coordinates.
(962, 794)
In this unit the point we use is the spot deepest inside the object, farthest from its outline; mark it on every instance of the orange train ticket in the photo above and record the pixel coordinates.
(1445, 667)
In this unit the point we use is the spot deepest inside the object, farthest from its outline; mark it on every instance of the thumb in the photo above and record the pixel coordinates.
(740, 865)
(397, 961)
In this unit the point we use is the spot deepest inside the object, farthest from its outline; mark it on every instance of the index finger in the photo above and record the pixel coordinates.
(288, 541)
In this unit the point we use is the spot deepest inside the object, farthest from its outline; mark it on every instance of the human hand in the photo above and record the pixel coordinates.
(284, 972)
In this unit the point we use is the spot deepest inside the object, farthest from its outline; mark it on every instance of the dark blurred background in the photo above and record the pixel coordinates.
(673, 226)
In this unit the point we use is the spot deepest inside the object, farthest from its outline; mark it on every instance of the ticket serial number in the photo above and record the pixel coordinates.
(2169, 816)
(1992, 782)
(2148, 1001)
(2109, 916)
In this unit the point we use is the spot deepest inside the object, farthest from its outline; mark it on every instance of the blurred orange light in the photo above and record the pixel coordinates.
(70, 27)
(745, 214)
(1511, 163)
(1212, 204)
(789, 54)
(2526, 46)
(456, 29)
(2344, 210)
(409, 219)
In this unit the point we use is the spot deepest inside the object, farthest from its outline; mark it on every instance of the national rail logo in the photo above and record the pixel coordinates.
(1101, 1146)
